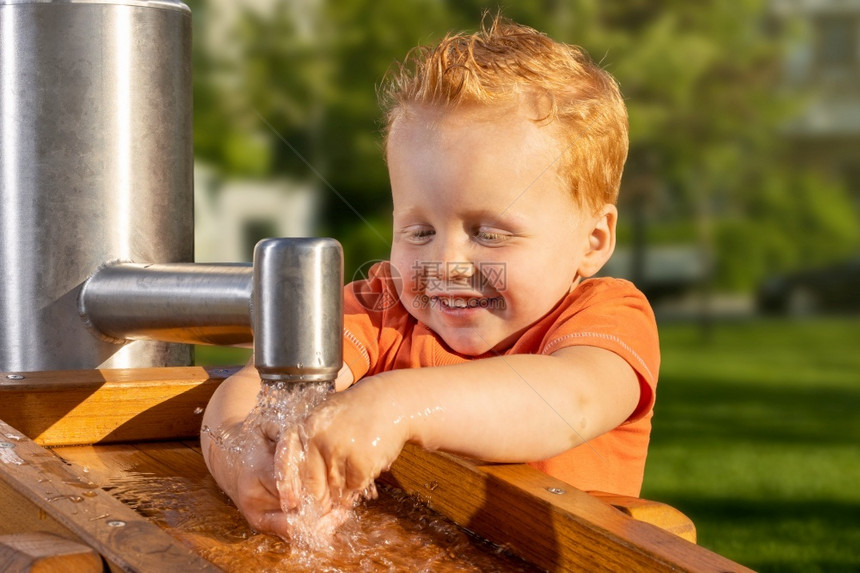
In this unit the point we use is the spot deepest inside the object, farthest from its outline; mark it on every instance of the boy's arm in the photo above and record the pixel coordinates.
(513, 408)
(524, 407)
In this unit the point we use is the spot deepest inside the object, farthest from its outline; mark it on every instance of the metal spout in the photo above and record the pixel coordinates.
(297, 310)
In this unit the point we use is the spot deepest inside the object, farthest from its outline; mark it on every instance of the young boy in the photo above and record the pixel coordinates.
(481, 336)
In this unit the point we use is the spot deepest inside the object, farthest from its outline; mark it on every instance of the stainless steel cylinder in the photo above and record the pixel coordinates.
(297, 309)
(95, 166)
(180, 302)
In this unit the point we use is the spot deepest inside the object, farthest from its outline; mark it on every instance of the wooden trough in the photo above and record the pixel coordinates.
(63, 433)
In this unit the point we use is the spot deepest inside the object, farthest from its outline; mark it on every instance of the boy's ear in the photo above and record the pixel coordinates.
(600, 241)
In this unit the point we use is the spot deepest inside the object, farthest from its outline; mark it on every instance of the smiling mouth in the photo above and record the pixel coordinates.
(495, 303)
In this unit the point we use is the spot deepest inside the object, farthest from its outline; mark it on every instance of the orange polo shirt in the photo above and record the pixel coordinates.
(380, 335)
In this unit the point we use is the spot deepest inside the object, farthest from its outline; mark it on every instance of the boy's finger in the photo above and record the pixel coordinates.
(314, 477)
(270, 430)
(254, 502)
(288, 458)
(358, 476)
(269, 483)
(272, 522)
(337, 481)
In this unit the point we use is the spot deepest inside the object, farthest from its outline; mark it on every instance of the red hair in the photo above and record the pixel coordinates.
(507, 60)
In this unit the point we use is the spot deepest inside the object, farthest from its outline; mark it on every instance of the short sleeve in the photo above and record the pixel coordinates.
(374, 321)
(614, 315)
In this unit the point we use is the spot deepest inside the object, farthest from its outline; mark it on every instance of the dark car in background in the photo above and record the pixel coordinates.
(831, 288)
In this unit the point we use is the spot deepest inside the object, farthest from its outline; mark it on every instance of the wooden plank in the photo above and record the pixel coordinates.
(507, 504)
(109, 463)
(569, 530)
(46, 553)
(42, 493)
(114, 464)
(102, 406)
(105, 462)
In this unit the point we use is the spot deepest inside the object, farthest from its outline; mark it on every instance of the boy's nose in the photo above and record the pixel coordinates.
(452, 261)
(458, 270)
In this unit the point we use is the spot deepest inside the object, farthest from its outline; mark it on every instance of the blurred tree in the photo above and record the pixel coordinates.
(302, 102)
(220, 136)
(700, 81)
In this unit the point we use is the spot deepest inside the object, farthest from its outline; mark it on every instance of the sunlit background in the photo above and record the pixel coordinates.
(739, 207)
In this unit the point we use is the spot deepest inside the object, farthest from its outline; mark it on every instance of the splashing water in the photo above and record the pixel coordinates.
(280, 407)
(393, 532)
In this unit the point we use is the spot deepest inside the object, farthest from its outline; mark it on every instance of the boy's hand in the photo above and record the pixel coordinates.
(244, 463)
(339, 449)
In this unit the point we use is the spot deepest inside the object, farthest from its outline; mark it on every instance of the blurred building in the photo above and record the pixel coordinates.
(824, 64)
(231, 215)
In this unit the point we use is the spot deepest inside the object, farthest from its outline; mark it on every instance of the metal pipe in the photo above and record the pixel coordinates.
(290, 303)
(181, 302)
(298, 309)
(95, 165)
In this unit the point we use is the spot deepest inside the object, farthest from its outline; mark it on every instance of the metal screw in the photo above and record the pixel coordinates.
(556, 490)
(115, 523)
(6, 445)
(14, 377)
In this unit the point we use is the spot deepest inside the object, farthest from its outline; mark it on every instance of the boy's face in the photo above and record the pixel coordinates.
(486, 236)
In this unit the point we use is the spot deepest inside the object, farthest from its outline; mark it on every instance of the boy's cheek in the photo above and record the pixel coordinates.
(495, 274)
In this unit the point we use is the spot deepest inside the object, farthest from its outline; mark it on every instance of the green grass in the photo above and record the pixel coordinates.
(757, 439)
